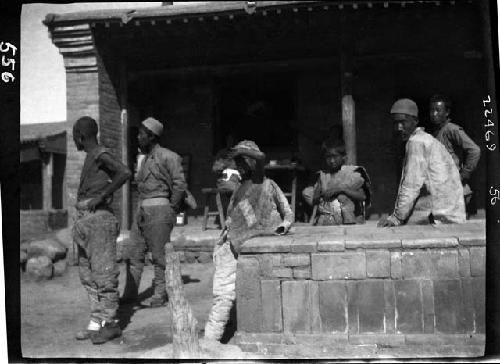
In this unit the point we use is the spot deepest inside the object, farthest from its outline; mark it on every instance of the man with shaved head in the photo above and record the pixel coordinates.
(95, 231)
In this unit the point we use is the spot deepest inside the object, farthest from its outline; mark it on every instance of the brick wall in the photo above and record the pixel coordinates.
(406, 288)
(82, 99)
(110, 118)
(91, 93)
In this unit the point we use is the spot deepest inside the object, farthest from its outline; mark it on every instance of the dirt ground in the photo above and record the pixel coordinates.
(52, 311)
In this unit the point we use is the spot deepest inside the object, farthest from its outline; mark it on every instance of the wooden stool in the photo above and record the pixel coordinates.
(208, 192)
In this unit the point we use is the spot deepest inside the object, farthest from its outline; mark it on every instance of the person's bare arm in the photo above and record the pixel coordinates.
(119, 173)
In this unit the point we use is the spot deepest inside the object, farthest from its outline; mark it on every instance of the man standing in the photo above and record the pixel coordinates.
(430, 189)
(95, 231)
(464, 151)
(161, 186)
(254, 209)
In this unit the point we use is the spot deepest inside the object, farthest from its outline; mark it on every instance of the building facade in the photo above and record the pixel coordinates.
(286, 74)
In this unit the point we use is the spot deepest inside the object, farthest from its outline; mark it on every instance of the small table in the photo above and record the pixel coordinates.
(292, 168)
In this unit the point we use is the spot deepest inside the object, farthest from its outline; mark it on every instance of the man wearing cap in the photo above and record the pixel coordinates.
(430, 189)
(254, 210)
(161, 186)
(464, 151)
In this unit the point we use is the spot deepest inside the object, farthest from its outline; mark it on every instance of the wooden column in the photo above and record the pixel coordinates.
(347, 101)
(47, 173)
(125, 223)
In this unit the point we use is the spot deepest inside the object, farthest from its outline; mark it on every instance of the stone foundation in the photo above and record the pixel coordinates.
(326, 288)
(36, 222)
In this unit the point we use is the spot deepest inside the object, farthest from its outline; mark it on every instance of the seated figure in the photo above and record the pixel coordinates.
(339, 190)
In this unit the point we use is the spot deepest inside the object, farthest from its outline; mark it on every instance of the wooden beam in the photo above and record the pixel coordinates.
(123, 94)
(47, 173)
(346, 88)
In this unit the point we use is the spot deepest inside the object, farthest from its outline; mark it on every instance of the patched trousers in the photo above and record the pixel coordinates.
(151, 231)
(96, 234)
(224, 290)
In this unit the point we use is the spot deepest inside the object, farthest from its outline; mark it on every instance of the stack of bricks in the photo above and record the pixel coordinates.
(361, 285)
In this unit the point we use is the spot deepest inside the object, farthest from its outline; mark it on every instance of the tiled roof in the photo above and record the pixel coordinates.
(203, 8)
(33, 132)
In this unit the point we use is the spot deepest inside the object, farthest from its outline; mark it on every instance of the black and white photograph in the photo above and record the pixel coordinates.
(257, 180)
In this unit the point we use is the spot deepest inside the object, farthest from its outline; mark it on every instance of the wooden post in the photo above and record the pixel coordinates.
(125, 223)
(347, 101)
(184, 332)
(47, 173)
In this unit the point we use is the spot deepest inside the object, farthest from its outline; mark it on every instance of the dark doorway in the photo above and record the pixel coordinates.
(31, 185)
(259, 107)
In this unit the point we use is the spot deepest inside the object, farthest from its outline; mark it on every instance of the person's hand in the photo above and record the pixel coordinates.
(331, 192)
(385, 222)
(92, 204)
(282, 229)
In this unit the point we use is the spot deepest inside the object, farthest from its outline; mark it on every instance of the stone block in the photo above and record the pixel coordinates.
(352, 309)
(341, 265)
(368, 299)
(282, 272)
(477, 261)
(266, 262)
(475, 339)
(302, 272)
(389, 309)
(445, 264)
(49, 247)
(294, 260)
(391, 340)
(301, 311)
(396, 270)
(248, 291)
(463, 262)
(478, 293)
(271, 306)
(472, 240)
(373, 243)
(378, 263)
(332, 306)
(330, 244)
(268, 244)
(448, 306)
(190, 257)
(434, 242)
(296, 298)
(313, 307)
(59, 267)
(205, 257)
(427, 305)
(305, 244)
(409, 307)
(468, 307)
(39, 267)
(441, 264)
(322, 339)
(433, 339)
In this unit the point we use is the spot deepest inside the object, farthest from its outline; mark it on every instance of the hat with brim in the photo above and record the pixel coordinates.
(247, 148)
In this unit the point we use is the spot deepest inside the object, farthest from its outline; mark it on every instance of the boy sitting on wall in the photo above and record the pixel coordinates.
(339, 189)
